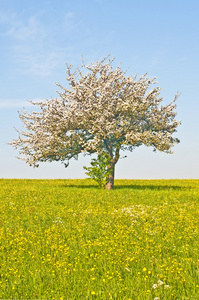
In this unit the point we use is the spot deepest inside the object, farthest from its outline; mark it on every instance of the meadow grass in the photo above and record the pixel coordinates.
(67, 239)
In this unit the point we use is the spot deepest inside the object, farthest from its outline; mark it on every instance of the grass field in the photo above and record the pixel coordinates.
(66, 239)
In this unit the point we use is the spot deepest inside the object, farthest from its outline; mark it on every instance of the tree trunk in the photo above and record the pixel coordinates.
(110, 180)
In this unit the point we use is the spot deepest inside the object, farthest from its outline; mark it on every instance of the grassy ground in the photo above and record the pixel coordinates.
(66, 239)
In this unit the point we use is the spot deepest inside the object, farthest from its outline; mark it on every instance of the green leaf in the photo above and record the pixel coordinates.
(98, 170)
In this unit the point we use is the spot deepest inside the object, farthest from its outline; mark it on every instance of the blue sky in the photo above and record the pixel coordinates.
(157, 37)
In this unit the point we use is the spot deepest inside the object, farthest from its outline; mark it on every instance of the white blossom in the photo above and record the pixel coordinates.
(160, 282)
(166, 286)
(155, 286)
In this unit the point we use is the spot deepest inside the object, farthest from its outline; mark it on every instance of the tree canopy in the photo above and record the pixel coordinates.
(100, 111)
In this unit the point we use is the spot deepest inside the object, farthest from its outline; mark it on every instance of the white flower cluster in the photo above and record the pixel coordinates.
(137, 212)
(160, 283)
(102, 110)
(59, 221)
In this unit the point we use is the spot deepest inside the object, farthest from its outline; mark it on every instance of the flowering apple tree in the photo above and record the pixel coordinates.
(101, 111)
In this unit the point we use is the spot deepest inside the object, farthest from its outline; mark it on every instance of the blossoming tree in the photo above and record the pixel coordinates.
(101, 111)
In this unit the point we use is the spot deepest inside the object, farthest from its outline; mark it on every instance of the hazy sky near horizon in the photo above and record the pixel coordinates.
(161, 38)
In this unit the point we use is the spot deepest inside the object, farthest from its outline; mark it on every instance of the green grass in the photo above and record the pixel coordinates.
(66, 239)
